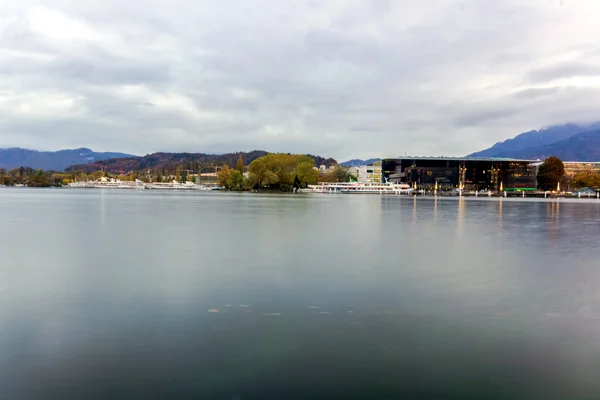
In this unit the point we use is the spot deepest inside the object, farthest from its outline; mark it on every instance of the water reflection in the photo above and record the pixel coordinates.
(460, 216)
(500, 204)
(414, 210)
(241, 296)
(102, 209)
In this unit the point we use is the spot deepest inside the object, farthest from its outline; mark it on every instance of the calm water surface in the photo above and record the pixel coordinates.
(106, 294)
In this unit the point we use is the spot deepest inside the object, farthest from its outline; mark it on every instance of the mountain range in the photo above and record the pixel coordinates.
(569, 142)
(172, 161)
(356, 162)
(51, 160)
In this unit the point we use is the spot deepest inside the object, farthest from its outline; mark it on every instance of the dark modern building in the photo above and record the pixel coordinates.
(467, 173)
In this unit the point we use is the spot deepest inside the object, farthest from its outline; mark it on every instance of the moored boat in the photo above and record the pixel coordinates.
(359, 188)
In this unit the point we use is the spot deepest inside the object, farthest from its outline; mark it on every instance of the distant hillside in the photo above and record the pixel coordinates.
(51, 160)
(583, 146)
(358, 162)
(172, 161)
(526, 142)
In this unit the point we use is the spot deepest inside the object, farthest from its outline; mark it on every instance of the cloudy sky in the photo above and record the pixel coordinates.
(341, 78)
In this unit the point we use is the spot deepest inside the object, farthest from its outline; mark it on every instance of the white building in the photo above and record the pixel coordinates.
(370, 173)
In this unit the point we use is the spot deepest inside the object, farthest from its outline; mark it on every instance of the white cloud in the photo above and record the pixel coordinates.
(58, 26)
(344, 78)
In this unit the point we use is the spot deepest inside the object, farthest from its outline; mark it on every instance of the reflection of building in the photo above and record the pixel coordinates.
(370, 172)
(466, 173)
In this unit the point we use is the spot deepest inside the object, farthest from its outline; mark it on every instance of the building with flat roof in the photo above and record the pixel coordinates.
(576, 167)
(447, 173)
(370, 173)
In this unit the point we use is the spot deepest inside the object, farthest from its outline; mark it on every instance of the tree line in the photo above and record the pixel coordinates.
(32, 177)
(277, 171)
(169, 162)
(552, 172)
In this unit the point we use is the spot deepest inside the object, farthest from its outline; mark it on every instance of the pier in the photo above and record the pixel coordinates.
(511, 194)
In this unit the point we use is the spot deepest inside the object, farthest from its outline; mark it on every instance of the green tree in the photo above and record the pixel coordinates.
(277, 171)
(38, 179)
(97, 175)
(240, 165)
(270, 178)
(251, 181)
(236, 180)
(550, 173)
(306, 174)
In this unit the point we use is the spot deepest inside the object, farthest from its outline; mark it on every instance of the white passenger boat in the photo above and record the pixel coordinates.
(109, 183)
(379, 188)
(173, 185)
(359, 188)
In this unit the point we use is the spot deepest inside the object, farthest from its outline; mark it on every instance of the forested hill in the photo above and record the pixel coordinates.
(51, 160)
(172, 161)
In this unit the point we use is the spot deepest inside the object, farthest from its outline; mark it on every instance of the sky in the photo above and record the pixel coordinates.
(340, 78)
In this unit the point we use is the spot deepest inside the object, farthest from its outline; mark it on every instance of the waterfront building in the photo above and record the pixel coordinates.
(370, 173)
(576, 167)
(447, 173)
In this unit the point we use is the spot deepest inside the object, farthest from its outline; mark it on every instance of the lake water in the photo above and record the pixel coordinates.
(106, 294)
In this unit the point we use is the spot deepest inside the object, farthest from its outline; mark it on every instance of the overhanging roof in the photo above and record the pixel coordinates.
(488, 159)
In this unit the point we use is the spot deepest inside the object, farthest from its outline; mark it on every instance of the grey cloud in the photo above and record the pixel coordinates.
(566, 70)
(340, 78)
(510, 58)
(480, 117)
(109, 72)
(534, 93)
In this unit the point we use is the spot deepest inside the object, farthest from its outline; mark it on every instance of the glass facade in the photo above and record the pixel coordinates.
(468, 174)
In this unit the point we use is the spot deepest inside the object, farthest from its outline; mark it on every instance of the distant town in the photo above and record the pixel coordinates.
(560, 160)
(299, 173)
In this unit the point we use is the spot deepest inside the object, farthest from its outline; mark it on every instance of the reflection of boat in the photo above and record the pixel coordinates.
(359, 188)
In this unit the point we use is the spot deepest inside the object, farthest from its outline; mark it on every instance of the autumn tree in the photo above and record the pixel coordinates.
(586, 179)
(550, 173)
(224, 176)
(38, 179)
(240, 165)
(339, 174)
